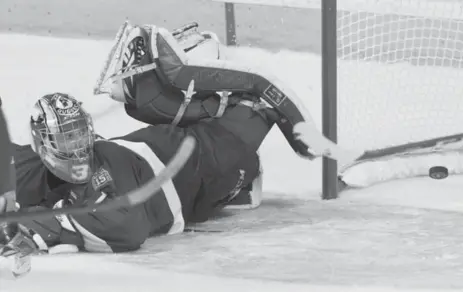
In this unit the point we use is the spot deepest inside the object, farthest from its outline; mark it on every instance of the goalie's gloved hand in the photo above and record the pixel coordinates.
(15, 238)
(17, 244)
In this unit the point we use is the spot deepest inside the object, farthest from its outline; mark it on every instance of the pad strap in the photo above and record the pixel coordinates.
(181, 111)
(223, 104)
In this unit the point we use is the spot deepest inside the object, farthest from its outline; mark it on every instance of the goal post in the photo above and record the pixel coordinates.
(392, 74)
(329, 72)
(329, 95)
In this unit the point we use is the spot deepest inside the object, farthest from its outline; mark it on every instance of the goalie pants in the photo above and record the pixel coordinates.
(235, 159)
(227, 151)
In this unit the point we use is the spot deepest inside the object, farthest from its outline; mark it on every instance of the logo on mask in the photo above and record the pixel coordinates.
(66, 106)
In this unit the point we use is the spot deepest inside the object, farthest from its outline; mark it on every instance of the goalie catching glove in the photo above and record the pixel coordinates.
(17, 244)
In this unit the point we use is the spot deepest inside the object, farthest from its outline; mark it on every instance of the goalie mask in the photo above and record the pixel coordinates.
(63, 136)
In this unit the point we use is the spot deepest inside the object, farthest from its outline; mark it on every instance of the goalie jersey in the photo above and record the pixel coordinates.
(207, 181)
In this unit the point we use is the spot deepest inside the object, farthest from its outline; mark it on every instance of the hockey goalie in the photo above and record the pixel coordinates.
(175, 83)
(67, 163)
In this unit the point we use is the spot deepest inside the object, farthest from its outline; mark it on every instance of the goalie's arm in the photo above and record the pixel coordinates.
(118, 230)
(122, 229)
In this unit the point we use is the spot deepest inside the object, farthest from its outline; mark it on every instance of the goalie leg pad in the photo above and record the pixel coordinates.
(173, 65)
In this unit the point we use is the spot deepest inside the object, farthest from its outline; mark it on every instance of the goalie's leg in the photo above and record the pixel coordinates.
(234, 139)
(150, 98)
(250, 122)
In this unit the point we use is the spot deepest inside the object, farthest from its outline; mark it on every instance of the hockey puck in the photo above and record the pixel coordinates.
(438, 172)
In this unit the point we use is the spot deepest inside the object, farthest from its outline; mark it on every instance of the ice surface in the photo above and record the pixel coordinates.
(395, 236)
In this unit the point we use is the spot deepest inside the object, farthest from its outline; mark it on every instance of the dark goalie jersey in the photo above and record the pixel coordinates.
(121, 164)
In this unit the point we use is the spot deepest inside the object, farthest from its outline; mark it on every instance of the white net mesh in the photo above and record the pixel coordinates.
(400, 74)
(400, 71)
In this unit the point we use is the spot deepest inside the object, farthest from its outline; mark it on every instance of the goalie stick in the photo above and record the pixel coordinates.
(132, 198)
(439, 144)
(444, 143)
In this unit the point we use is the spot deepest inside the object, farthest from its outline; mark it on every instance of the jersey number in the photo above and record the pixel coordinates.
(79, 172)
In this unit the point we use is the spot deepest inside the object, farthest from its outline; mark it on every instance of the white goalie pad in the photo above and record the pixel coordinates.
(390, 168)
(194, 44)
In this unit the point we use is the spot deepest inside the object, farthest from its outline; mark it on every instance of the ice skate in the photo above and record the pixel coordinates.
(249, 197)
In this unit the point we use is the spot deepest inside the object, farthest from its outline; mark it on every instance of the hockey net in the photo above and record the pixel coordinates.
(400, 80)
